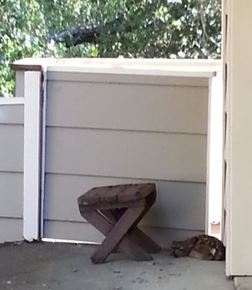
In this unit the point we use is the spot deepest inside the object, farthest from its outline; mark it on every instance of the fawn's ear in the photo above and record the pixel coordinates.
(213, 251)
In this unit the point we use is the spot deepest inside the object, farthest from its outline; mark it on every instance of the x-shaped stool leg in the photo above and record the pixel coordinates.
(121, 232)
(135, 234)
(115, 235)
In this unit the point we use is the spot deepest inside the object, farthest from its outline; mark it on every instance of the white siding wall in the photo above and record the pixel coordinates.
(11, 172)
(238, 135)
(117, 129)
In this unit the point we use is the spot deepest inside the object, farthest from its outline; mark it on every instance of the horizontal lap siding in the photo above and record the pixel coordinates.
(11, 192)
(178, 205)
(12, 114)
(11, 229)
(11, 148)
(109, 133)
(128, 107)
(126, 154)
(11, 172)
(140, 79)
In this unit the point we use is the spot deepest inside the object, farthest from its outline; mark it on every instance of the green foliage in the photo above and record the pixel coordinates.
(169, 29)
(129, 28)
(22, 33)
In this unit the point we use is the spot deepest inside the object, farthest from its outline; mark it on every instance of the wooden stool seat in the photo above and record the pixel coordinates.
(115, 211)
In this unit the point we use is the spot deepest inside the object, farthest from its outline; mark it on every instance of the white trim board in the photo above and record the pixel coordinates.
(11, 101)
(205, 67)
(48, 240)
(43, 151)
(32, 139)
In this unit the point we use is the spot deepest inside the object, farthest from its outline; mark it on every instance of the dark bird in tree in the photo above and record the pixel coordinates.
(76, 36)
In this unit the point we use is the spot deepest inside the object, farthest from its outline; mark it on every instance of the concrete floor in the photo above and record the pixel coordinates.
(41, 266)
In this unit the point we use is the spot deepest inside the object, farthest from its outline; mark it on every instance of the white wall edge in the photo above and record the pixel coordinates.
(214, 152)
(12, 101)
(43, 152)
(32, 123)
(156, 67)
(228, 148)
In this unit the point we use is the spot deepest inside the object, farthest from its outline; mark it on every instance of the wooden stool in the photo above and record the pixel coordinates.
(115, 211)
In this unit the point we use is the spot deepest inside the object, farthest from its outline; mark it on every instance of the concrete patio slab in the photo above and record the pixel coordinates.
(40, 266)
